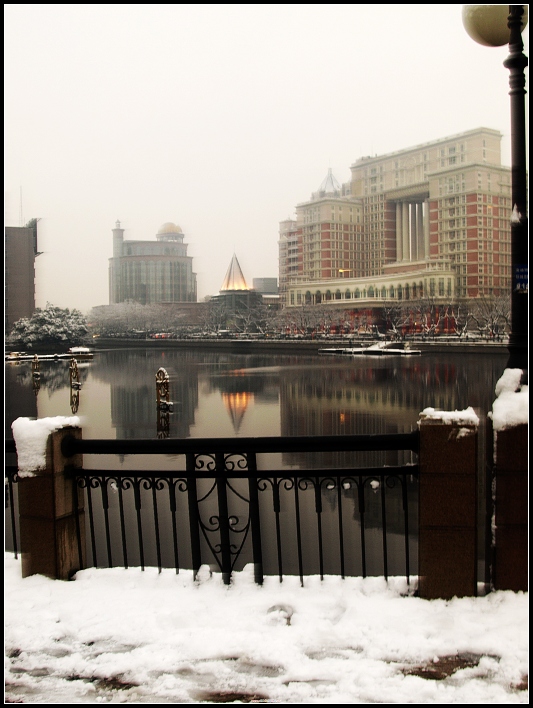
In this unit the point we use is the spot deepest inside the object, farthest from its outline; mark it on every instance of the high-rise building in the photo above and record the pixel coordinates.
(429, 220)
(151, 272)
(20, 251)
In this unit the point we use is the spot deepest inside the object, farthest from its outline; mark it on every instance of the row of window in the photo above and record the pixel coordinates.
(442, 287)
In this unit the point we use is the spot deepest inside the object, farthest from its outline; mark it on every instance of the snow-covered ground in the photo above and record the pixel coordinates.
(127, 636)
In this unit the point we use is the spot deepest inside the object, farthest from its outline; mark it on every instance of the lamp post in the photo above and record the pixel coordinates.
(494, 26)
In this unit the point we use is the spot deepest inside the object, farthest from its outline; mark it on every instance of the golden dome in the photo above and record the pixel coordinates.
(169, 228)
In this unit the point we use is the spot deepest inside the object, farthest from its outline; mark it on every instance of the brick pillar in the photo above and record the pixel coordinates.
(47, 510)
(510, 499)
(447, 545)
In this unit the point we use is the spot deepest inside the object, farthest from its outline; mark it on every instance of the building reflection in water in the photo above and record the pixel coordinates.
(131, 376)
(312, 396)
(239, 390)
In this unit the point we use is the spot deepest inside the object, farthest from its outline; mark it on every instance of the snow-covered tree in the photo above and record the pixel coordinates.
(50, 326)
(492, 315)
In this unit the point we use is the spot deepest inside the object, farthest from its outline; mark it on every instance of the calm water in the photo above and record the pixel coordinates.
(249, 395)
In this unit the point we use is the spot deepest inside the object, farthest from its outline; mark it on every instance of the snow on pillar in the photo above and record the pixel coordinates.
(508, 449)
(447, 543)
(51, 506)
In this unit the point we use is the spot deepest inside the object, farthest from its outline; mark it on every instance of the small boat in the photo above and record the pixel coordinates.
(377, 349)
(386, 349)
(80, 352)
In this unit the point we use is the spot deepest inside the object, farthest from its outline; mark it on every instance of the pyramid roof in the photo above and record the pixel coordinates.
(234, 279)
(329, 184)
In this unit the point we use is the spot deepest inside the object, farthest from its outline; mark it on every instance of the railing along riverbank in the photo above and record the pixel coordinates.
(221, 502)
(220, 507)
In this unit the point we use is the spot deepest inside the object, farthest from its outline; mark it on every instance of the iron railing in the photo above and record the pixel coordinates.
(220, 510)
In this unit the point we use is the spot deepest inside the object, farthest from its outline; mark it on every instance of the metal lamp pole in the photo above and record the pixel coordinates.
(516, 62)
(484, 26)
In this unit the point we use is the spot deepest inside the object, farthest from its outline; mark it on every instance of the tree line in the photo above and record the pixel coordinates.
(487, 317)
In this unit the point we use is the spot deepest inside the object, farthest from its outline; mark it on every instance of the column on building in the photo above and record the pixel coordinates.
(399, 249)
(413, 234)
(405, 232)
(426, 230)
(420, 250)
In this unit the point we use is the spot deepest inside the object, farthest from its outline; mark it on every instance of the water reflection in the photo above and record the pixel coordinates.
(225, 395)
(232, 395)
(131, 377)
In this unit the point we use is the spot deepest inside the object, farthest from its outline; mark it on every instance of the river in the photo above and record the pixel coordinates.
(231, 394)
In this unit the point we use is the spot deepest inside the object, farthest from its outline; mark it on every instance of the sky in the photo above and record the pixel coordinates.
(219, 118)
(128, 636)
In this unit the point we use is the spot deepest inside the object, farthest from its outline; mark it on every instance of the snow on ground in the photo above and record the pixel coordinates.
(126, 636)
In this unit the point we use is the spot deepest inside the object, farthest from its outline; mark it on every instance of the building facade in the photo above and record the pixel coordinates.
(20, 251)
(151, 272)
(266, 286)
(430, 220)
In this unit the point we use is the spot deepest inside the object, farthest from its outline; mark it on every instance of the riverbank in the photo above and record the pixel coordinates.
(289, 346)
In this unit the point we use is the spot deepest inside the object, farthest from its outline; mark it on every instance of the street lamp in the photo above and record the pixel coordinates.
(494, 26)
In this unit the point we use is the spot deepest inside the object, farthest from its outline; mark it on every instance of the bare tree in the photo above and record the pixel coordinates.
(397, 318)
(492, 316)
(458, 316)
(428, 315)
(215, 316)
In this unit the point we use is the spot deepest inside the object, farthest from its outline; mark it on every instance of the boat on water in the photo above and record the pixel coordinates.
(377, 349)
(73, 353)
(80, 352)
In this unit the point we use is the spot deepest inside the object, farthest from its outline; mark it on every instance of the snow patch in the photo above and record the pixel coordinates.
(30, 437)
(465, 417)
(511, 406)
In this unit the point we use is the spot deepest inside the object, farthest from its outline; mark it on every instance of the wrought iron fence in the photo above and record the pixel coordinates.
(223, 512)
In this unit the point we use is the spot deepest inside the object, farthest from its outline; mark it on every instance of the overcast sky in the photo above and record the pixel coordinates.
(220, 118)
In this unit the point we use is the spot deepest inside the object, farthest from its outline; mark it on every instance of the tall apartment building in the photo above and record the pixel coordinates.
(433, 219)
(151, 272)
(20, 251)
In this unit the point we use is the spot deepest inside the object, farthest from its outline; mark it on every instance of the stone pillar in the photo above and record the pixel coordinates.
(510, 514)
(399, 250)
(47, 510)
(405, 232)
(413, 239)
(420, 231)
(447, 545)
(426, 230)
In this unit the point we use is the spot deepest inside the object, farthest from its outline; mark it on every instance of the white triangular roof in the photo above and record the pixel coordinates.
(234, 279)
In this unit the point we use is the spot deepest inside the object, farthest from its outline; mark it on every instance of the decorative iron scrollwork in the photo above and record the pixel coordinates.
(224, 531)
